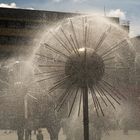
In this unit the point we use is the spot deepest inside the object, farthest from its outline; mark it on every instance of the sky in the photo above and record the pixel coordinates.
(125, 9)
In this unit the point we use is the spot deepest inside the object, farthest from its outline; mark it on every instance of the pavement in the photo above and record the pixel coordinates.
(13, 135)
(113, 135)
(118, 135)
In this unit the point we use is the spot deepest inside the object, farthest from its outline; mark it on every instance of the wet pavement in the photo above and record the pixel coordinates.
(118, 135)
(114, 135)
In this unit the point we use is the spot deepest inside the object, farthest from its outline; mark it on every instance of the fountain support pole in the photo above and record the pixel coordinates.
(85, 113)
(25, 107)
(26, 116)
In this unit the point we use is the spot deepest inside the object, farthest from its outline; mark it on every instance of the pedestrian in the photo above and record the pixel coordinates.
(39, 136)
(30, 134)
(20, 133)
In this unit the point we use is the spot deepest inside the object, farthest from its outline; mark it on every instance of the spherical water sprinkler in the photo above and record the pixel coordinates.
(85, 66)
(80, 57)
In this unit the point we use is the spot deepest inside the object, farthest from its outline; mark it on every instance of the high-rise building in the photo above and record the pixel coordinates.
(19, 28)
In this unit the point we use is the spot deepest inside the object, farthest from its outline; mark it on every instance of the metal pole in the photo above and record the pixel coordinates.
(85, 113)
(26, 115)
(26, 106)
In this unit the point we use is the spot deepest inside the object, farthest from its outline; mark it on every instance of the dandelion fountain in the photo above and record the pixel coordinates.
(82, 57)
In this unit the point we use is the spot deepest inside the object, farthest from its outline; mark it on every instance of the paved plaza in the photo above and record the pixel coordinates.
(114, 135)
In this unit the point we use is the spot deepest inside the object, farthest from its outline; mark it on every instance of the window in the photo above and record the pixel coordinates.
(15, 40)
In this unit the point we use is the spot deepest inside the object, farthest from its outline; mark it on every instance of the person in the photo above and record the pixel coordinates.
(28, 134)
(39, 136)
(20, 133)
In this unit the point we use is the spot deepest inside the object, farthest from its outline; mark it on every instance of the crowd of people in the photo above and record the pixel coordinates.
(28, 134)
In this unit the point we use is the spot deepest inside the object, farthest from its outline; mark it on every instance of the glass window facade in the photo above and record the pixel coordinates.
(15, 40)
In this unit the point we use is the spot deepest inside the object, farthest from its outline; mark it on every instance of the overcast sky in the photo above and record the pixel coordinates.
(126, 9)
